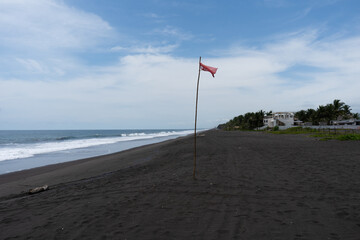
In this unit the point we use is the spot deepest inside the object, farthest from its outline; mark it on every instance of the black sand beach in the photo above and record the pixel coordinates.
(250, 185)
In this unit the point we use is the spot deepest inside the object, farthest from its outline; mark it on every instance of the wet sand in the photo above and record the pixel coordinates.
(250, 185)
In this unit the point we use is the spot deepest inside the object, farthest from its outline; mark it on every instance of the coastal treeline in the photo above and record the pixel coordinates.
(248, 121)
(336, 110)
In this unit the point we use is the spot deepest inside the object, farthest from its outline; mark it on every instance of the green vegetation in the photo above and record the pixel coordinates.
(332, 111)
(323, 134)
(349, 137)
(296, 130)
(249, 121)
(336, 110)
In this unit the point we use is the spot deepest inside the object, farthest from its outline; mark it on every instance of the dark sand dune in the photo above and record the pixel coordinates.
(250, 185)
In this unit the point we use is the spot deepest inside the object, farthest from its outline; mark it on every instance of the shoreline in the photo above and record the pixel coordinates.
(66, 146)
(250, 185)
(12, 183)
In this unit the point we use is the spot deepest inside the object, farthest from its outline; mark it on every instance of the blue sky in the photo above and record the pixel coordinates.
(82, 64)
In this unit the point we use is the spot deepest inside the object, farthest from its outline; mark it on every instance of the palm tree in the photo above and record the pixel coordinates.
(321, 114)
(346, 111)
(268, 113)
(259, 118)
(338, 106)
(301, 115)
(311, 115)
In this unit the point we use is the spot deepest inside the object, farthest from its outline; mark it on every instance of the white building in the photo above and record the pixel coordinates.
(345, 122)
(281, 119)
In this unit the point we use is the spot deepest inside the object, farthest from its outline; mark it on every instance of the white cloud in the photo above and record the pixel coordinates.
(158, 90)
(149, 87)
(48, 24)
(139, 91)
(32, 65)
(152, 15)
(146, 49)
(118, 49)
(41, 38)
(174, 32)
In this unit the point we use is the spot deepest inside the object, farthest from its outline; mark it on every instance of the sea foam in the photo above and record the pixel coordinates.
(17, 151)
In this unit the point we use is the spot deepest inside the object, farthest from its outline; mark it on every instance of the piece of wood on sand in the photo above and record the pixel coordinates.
(39, 189)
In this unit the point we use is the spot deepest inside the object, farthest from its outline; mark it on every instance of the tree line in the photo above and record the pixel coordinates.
(248, 121)
(336, 110)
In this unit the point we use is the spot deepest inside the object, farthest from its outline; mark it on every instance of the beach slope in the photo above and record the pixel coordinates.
(250, 185)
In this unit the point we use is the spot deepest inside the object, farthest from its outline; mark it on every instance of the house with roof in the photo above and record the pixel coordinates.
(346, 122)
(282, 119)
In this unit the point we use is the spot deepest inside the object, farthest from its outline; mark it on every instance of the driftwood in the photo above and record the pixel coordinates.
(39, 189)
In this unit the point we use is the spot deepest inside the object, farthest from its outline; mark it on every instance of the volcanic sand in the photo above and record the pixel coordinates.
(250, 185)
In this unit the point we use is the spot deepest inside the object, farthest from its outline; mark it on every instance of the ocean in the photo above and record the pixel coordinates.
(25, 149)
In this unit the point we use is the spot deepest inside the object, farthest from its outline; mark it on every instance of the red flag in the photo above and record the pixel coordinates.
(212, 70)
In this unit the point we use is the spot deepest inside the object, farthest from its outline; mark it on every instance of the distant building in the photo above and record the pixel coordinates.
(267, 121)
(281, 119)
(345, 122)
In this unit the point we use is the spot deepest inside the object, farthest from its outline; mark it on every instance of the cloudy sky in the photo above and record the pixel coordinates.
(120, 64)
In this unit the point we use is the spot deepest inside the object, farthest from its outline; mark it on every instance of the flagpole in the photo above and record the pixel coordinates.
(197, 97)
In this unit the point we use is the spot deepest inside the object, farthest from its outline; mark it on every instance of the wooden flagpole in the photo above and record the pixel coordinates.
(197, 97)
